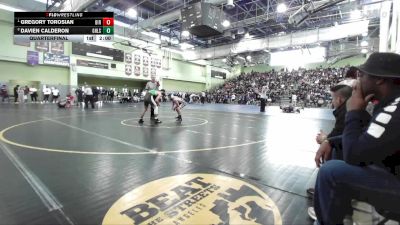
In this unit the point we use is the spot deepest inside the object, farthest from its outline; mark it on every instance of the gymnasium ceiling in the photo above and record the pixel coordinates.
(249, 19)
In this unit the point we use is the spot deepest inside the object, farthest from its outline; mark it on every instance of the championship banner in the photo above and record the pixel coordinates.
(145, 71)
(153, 72)
(153, 62)
(53, 59)
(137, 71)
(42, 46)
(158, 63)
(32, 58)
(92, 64)
(128, 57)
(145, 60)
(22, 43)
(128, 69)
(137, 59)
(57, 48)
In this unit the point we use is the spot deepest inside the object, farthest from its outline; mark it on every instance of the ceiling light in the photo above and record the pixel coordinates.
(355, 14)
(11, 9)
(121, 24)
(248, 57)
(365, 34)
(247, 35)
(57, 4)
(226, 23)
(131, 13)
(364, 51)
(185, 33)
(186, 46)
(150, 34)
(174, 41)
(281, 8)
(42, 1)
(364, 43)
(224, 60)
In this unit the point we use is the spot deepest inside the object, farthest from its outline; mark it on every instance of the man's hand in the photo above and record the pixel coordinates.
(321, 136)
(357, 101)
(323, 154)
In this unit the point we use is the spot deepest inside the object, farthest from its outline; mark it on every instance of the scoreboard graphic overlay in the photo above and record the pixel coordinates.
(64, 26)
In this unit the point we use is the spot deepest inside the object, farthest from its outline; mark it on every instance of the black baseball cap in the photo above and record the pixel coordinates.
(382, 64)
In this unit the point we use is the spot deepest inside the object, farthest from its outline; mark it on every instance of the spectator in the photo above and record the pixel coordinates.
(340, 94)
(370, 170)
(88, 96)
(16, 94)
(55, 93)
(4, 93)
(26, 93)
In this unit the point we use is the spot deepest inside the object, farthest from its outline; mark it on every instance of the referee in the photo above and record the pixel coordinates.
(152, 85)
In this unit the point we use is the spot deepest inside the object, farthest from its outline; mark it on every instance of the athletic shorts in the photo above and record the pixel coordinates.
(149, 100)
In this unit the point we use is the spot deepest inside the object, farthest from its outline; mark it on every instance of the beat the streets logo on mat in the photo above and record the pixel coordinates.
(194, 199)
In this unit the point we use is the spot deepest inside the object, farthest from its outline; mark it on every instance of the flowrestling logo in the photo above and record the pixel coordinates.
(194, 199)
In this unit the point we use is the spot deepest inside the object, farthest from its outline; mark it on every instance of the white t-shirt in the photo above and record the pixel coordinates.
(264, 91)
(56, 92)
(47, 91)
(88, 91)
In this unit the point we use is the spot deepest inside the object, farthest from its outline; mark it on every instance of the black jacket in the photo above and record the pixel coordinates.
(379, 143)
(340, 114)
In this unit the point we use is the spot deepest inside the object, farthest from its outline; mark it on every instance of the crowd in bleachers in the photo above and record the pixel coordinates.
(311, 87)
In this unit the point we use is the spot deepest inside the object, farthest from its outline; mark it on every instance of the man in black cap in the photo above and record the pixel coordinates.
(371, 167)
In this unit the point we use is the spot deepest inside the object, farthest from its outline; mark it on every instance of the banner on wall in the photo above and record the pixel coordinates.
(32, 58)
(137, 70)
(53, 59)
(137, 59)
(145, 71)
(158, 63)
(153, 62)
(153, 72)
(42, 46)
(128, 69)
(145, 60)
(92, 64)
(57, 48)
(128, 57)
(22, 43)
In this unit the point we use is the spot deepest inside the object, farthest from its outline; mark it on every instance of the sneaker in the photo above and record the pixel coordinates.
(316, 223)
(157, 121)
(141, 121)
(310, 192)
(311, 213)
(179, 119)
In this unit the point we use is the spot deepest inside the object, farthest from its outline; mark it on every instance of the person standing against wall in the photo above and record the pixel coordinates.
(88, 96)
(4, 93)
(16, 94)
(56, 94)
(21, 95)
(26, 92)
(79, 96)
(46, 94)
(152, 85)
